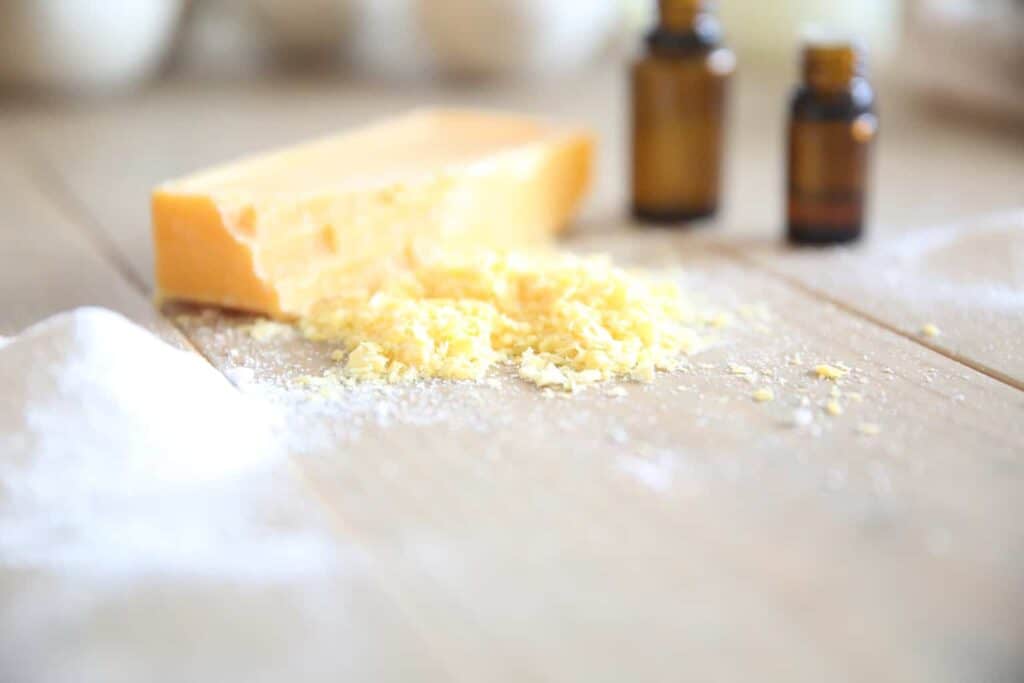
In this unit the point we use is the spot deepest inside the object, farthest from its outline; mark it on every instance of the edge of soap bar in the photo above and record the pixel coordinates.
(207, 252)
(199, 258)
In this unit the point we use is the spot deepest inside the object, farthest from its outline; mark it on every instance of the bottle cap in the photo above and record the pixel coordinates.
(831, 59)
(680, 14)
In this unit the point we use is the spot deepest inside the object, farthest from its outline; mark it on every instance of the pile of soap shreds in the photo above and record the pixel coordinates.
(566, 320)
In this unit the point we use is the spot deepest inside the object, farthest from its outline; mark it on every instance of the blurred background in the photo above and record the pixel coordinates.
(970, 51)
(175, 85)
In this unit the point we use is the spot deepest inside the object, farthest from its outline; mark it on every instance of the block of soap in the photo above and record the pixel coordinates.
(278, 232)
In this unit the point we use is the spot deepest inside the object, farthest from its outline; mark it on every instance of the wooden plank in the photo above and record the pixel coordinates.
(46, 264)
(105, 157)
(308, 607)
(61, 623)
(686, 528)
(711, 537)
(944, 243)
(965, 278)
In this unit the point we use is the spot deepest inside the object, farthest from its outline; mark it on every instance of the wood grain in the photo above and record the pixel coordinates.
(965, 278)
(62, 625)
(49, 265)
(686, 528)
(95, 167)
(682, 532)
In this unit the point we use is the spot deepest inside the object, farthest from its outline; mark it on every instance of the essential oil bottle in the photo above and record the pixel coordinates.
(678, 114)
(832, 127)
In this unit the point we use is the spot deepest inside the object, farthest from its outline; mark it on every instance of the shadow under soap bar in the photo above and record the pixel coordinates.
(278, 232)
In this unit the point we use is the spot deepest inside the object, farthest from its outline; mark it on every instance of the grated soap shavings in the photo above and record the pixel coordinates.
(566, 321)
(831, 372)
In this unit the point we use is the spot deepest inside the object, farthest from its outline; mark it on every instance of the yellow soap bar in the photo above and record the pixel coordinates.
(278, 232)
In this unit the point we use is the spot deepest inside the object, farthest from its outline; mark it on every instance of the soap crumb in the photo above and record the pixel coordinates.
(930, 330)
(617, 392)
(833, 408)
(265, 330)
(720, 320)
(643, 373)
(763, 395)
(869, 429)
(831, 372)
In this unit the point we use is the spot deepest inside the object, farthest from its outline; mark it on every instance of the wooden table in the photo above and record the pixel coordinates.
(491, 533)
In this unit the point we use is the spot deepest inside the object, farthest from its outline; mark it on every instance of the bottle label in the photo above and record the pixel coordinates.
(828, 166)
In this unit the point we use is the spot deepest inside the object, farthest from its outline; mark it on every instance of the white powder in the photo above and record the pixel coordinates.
(655, 473)
(120, 454)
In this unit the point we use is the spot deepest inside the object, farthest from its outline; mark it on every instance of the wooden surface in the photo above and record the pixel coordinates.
(491, 533)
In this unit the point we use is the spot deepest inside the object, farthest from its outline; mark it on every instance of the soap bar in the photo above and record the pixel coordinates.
(277, 233)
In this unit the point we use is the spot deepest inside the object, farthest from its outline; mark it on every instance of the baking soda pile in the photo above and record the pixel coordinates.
(119, 453)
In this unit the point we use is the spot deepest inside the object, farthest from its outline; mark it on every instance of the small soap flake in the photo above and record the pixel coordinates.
(617, 392)
(930, 330)
(720, 320)
(763, 395)
(833, 408)
(869, 429)
(266, 330)
(830, 372)
(736, 369)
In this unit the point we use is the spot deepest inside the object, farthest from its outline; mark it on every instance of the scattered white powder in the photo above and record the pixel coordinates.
(802, 417)
(122, 455)
(240, 376)
(655, 473)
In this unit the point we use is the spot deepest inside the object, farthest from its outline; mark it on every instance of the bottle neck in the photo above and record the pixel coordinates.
(683, 16)
(832, 68)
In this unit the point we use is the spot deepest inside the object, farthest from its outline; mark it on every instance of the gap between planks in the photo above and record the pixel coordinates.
(41, 172)
(796, 284)
(439, 650)
(53, 189)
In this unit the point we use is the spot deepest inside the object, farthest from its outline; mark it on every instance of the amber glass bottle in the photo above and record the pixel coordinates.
(678, 97)
(831, 129)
